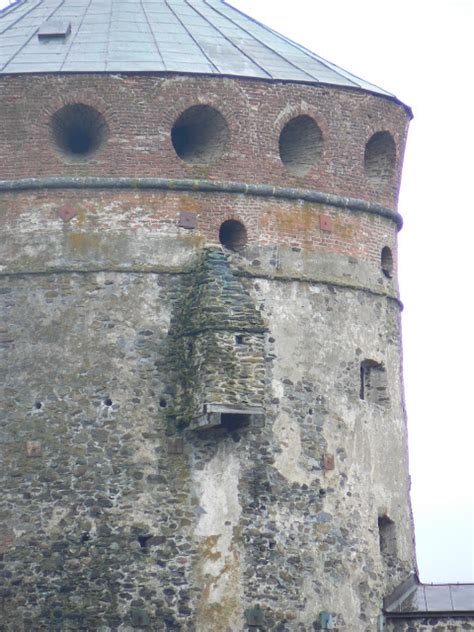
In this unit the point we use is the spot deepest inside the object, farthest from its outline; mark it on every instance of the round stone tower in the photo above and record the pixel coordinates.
(204, 424)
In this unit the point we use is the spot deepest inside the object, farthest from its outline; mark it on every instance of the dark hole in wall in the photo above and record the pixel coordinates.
(373, 383)
(199, 135)
(380, 157)
(232, 421)
(387, 538)
(386, 262)
(143, 541)
(78, 129)
(300, 144)
(233, 234)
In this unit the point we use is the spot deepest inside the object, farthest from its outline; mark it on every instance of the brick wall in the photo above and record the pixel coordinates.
(81, 227)
(140, 112)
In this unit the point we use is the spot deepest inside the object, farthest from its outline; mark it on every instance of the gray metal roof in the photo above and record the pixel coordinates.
(414, 599)
(187, 36)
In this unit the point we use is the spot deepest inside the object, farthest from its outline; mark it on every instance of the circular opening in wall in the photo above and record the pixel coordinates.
(301, 143)
(78, 129)
(379, 158)
(386, 262)
(200, 134)
(233, 234)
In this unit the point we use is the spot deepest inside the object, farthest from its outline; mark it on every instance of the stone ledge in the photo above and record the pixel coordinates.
(203, 186)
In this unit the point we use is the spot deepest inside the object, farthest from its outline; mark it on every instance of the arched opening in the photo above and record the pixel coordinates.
(233, 234)
(386, 262)
(380, 156)
(78, 129)
(300, 145)
(200, 134)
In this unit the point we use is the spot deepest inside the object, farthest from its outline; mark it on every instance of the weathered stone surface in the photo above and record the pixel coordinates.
(432, 624)
(119, 326)
(216, 348)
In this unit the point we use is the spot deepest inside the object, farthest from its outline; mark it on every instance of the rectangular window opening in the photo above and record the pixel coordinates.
(387, 538)
(373, 383)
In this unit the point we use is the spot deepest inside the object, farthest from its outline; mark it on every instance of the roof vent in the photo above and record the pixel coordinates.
(54, 29)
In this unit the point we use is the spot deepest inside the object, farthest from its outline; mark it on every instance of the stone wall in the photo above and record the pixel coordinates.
(117, 515)
(217, 355)
(432, 624)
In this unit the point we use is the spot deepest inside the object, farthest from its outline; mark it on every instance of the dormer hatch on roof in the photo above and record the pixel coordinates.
(54, 29)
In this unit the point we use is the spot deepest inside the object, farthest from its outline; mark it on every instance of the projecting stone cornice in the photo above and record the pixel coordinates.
(203, 186)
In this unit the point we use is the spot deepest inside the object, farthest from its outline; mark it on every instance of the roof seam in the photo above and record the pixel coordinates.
(253, 61)
(107, 47)
(75, 34)
(324, 62)
(145, 13)
(287, 61)
(192, 36)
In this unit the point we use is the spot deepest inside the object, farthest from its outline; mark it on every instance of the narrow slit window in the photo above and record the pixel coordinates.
(387, 538)
(386, 262)
(373, 383)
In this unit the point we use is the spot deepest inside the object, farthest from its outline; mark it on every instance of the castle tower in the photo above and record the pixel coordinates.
(204, 425)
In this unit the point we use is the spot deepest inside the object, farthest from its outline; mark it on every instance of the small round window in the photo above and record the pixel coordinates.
(78, 129)
(200, 135)
(233, 234)
(300, 145)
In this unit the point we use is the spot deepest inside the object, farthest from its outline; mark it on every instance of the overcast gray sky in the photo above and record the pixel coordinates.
(422, 51)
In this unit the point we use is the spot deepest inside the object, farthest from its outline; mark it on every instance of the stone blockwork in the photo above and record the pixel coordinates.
(432, 624)
(216, 348)
(123, 519)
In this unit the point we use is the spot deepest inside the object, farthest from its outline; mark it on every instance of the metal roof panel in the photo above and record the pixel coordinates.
(194, 36)
(424, 599)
